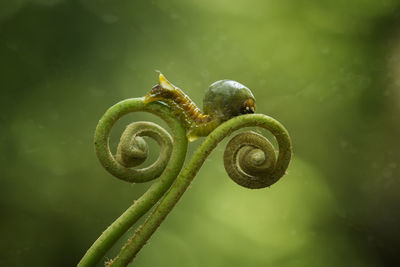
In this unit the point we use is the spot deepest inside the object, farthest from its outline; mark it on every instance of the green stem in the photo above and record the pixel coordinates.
(168, 172)
(268, 175)
(249, 159)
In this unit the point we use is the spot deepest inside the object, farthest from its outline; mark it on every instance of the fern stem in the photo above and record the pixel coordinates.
(169, 172)
(143, 233)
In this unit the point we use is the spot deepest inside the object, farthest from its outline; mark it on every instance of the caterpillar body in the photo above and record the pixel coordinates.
(223, 100)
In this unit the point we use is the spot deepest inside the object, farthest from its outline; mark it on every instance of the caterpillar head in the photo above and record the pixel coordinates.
(226, 99)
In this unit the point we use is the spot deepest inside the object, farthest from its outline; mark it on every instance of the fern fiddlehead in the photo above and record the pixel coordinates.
(129, 156)
(249, 159)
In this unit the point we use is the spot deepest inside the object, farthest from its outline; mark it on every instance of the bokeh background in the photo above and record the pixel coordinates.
(328, 70)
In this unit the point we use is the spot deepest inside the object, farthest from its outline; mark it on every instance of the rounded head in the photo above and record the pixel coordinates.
(226, 99)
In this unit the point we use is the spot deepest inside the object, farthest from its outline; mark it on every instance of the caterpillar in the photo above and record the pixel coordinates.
(223, 100)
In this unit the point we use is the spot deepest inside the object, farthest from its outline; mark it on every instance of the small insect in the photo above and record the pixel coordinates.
(223, 100)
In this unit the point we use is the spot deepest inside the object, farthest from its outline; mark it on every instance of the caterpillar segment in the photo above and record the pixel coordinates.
(196, 123)
(223, 100)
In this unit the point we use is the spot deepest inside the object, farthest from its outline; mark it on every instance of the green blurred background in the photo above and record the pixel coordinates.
(328, 70)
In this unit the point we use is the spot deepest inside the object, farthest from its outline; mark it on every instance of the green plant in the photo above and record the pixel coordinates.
(249, 159)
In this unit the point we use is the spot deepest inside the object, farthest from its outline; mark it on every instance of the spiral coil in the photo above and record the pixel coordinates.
(249, 159)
